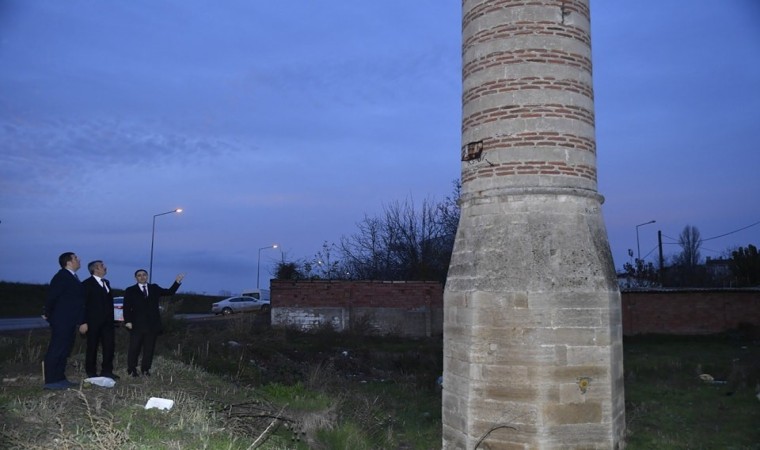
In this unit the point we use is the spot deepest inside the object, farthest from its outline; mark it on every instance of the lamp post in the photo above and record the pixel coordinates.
(638, 248)
(153, 237)
(258, 264)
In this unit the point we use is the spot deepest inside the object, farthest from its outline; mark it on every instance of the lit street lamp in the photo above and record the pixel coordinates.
(258, 264)
(638, 248)
(153, 237)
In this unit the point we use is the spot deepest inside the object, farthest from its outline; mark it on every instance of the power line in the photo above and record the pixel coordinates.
(720, 235)
(732, 232)
(650, 252)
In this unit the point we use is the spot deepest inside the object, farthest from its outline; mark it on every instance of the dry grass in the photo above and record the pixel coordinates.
(207, 410)
(240, 386)
(99, 418)
(235, 385)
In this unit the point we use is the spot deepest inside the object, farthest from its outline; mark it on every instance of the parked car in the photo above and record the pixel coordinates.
(118, 310)
(240, 304)
(261, 294)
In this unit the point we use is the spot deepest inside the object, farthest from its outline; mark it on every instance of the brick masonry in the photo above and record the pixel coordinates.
(407, 308)
(689, 312)
(531, 290)
(671, 311)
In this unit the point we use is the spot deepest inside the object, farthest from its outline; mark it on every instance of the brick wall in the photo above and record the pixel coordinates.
(416, 308)
(408, 308)
(689, 311)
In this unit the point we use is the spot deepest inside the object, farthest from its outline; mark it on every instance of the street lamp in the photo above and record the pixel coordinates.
(153, 237)
(258, 264)
(638, 249)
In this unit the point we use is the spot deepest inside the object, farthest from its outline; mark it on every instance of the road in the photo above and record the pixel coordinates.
(30, 323)
(22, 323)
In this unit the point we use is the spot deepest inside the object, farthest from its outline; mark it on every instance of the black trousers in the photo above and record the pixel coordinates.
(99, 335)
(61, 342)
(141, 341)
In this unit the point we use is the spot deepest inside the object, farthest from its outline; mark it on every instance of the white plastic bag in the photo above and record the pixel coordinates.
(101, 381)
(160, 403)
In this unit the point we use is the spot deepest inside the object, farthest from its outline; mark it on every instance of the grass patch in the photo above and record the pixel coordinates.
(238, 385)
(234, 387)
(296, 396)
(668, 405)
(348, 435)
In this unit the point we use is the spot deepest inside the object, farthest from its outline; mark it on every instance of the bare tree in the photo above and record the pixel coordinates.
(396, 246)
(690, 242)
(364, 252)
(686, 270)
(326, 266)
(404, 243)
(449, 211)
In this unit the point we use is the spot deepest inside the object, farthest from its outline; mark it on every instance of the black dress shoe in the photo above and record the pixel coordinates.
(132, 373)
(111, 376)
(92, 375)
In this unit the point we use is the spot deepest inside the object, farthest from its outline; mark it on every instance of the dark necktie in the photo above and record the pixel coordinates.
(76, 276)
(145, 291)
(105, 284)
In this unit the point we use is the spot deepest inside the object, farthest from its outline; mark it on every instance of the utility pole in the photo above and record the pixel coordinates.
(662, 261)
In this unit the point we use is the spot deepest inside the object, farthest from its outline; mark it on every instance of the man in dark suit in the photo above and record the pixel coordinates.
(99, 315)
(143, 319)
(64, 311)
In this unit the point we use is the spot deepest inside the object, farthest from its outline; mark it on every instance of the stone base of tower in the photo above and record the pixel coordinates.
(532, 327)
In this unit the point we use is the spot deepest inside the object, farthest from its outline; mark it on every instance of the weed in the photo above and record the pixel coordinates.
(362, 325)
(237, 385)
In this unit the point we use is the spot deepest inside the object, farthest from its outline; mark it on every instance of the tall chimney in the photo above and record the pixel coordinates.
(532, 323)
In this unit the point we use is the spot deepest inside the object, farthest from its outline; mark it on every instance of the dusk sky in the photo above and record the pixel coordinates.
(286, 122)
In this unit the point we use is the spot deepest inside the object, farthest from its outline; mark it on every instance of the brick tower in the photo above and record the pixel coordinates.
(532, 322)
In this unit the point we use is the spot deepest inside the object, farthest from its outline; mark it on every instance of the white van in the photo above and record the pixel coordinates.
(258, 294)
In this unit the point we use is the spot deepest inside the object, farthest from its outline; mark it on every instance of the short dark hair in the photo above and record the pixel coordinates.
(91, 265)
(140, 270)
(64, 258)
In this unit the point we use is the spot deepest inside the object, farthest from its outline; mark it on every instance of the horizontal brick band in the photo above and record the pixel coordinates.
(557, 168)
(526, 56)
(503, 85)
(540, 139)
(511, 112)
(519, 29)
(566, 7)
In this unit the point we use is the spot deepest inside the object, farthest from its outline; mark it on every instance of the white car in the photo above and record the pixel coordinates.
(118, 310)
(240, 304)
